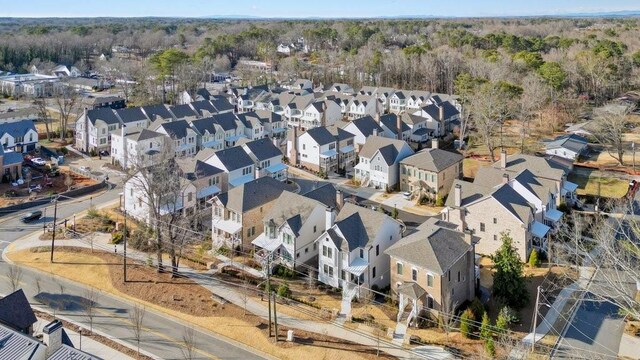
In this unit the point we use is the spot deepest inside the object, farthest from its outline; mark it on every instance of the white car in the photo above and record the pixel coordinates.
(38, 161)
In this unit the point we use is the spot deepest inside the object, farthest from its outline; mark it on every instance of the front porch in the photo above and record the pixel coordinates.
(226, 233)
(539, 232)
(412, 296)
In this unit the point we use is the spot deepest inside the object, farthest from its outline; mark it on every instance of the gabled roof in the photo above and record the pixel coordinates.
(234, 158)
(389, 148)
(470, 193)
(252, 194)
(325, 194)
(226, 120)
(390, 122)
(249, 120)
(292, 209)
(204, 93)
(339, 133)
(176, 129)
(204, 125)
(129, 115)
(16, 312)
(358, 226)
(267, 116)
(193, 169)
(153, 111)
(182, 111)
(513, 202)
(570, 142)
(203, 105)
(366, 125)
(11, 157)
(434, 247)
(538, 165)
(433, 159)
(263, 149)
(221, 105)
(321, 135)
(105, 114)
(413, 119)
(17, 128)
(145, 134)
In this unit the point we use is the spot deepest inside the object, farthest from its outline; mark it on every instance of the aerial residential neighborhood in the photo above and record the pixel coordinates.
(320, 181)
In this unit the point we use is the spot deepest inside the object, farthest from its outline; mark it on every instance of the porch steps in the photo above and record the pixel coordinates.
(399, 334)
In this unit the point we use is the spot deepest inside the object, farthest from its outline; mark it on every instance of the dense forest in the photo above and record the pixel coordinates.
(571, 59)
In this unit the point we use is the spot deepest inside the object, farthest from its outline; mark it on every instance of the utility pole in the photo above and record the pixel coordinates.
(44, 223)
(275, 314)
(124, 238)
(55, 215)
(535, 319)
(269, 288)
(633, 147)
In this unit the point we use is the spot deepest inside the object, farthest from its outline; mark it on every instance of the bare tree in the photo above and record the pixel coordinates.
(66, 104)
(534, 96)
(609, 127)
(189, 343)
(68, 181)
(38, 281)
(244, 294)
(89, 303)
(14, 274)
(43, 114)
(137, 318)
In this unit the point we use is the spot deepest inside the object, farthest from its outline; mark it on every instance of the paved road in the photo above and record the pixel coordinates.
(162, 336)
(595, 331)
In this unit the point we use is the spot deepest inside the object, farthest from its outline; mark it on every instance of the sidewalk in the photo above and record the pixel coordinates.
(258, 308)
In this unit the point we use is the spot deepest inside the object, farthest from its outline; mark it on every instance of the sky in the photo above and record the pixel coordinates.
(309, 8)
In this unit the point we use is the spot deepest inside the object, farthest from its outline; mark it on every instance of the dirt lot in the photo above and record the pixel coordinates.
(22, 193)
(191, 303)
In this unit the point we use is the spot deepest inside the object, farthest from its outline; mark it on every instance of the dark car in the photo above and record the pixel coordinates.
(104, 153)
(32, 216)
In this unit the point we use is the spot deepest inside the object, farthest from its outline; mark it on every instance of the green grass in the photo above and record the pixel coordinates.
(609, 187)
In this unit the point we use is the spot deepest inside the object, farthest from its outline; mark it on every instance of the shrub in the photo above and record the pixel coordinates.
(92, 213)
(489, 347)
(284, 291)
(283, 272)
(505, 317)
(485, 330)
(477, 308)
(64, 150)
(534, 260)
(465, 323)
(439, 201)
(116, 238)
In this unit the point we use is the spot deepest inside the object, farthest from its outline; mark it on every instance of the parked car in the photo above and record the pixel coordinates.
(38, 161)
(406, 195)
(103, 153)
(31, 216)
(33, 188)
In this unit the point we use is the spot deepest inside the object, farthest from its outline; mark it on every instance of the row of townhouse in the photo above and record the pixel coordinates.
(95, 127)
(518, 194)
(348, 246)
(135, 144)
(206, 174)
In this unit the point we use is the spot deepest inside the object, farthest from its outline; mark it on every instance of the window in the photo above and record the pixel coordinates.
(314, 228)
(414, 274)
(495, 237)
(306, 250)
(361, 254)
(495, 221)
(297, 255)
(189, 197)
(373, 272)
(449, 275)
(458, 276)
(377, 250)
(429, 302)
(481, 226)
(429, 280)
(325, 269)
(330, 271)
(304, 147)
(399, 268)
(329, 252)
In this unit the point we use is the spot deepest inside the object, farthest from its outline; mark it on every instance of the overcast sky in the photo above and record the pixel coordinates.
(301, 8)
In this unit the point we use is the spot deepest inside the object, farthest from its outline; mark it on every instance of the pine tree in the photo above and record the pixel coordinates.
(534, 259)
(490, 347)
(465, 323)
(502, 322)
(485, 330)
(508, 281)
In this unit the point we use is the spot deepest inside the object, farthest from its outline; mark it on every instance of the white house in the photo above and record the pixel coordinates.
(291, 227)
(567, 146)
(320, 113)
(138, 204)
(137, 147)
(380, 160)
(390, 123)
(267, 159)
(442, 113)
(94, 129)
(19, 136)
(236, 163)
(362, 128)
(364, 105)
(352, 250)
(211, 135)
(184, 137)
(316, 150)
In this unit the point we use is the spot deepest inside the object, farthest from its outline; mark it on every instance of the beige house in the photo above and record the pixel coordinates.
(431, 172)
(432, 270)
(238, 214)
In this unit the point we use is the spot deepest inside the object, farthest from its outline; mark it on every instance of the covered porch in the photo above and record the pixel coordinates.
(539, 231)
(411, 298)
(226, 232)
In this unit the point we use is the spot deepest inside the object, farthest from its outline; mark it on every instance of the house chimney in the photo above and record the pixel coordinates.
(505, 178)
(257, 172)
(458, 195)
(375, 132)
(377, 115)
(52, 336)
(323, 122)
(441, 118)
(503, 159)
(468, 238)
(399, 126)
(329, 218)
(294, 147)
(435, 143)
(339, 199)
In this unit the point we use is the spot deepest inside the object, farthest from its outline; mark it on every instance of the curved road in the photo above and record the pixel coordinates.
(162, 336)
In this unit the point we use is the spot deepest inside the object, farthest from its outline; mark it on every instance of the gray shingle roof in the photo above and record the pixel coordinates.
(321, 135)
(470, 193)
(252, 194)
(16, 312)
(182, 111)
(263, 149)
(433, 247)
(153, 111)
(234, 158)
(433, 159)
(292, 209)
(571, 142)
(221, 105)
(389, 148)
(226, 120)
(203, 105)
(204, 125)
(366, 125)
(105, 114)
(325, 194)
(390, 122)
(129, 115)
(176, 129)
(359, 226)
(145, 134)
(537, 165)
(513, 202)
